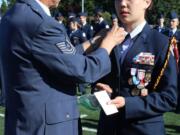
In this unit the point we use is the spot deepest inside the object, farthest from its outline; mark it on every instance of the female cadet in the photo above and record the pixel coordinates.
(143, 77)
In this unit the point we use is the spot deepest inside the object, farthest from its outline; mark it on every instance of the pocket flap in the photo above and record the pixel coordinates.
(150, 120)
(60, 111)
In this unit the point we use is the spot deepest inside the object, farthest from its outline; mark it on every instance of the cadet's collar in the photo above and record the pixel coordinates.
(84, 23)
(100, 19)
(174, 30)
(137, 30)
(44, 7)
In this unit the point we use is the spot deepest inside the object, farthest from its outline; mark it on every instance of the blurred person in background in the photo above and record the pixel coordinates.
(100, 22)
(114, 20)
(75, 34)
(160, 26)
(85, 27)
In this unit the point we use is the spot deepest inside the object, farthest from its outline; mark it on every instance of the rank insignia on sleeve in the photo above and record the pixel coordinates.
(66, 47)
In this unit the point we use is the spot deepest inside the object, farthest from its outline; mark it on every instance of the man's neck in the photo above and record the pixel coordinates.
(44, 6)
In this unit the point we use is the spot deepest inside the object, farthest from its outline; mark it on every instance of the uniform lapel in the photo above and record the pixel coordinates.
(116, 53)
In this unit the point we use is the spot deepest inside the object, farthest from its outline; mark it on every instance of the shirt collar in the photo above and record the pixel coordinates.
(137, 30)
(44, 7)
(101, 19)
(84, 23)
(174, 30)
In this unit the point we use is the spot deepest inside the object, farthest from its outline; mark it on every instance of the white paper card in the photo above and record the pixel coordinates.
(103, 98)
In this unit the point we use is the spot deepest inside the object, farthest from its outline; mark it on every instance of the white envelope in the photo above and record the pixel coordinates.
(103, 98)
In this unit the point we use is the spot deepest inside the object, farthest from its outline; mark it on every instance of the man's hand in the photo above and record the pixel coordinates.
(105, 39)
(114, 37)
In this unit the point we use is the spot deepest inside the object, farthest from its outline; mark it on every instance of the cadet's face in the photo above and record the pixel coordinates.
(174, 23)
(161, 21)
(82, 19)
(131, 11)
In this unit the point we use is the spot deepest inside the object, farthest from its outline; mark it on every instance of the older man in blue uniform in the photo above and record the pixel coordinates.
(40, 69)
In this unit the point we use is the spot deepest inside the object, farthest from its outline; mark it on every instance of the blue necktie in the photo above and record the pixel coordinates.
(123, 48)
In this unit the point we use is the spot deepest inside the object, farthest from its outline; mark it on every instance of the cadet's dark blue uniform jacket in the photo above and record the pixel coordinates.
(40, 69)
(99, 26)
(77, 37)
(161, 30)
(141, 115)
(88, 29)
(169, 34)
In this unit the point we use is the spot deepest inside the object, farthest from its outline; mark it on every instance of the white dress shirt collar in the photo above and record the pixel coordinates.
(174, 30)
(101, 19)
(137, 30)
(44, 7)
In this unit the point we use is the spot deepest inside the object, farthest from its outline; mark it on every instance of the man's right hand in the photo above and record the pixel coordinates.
(114, 37)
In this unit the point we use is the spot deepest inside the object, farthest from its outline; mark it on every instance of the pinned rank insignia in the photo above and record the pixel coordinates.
(141, 77)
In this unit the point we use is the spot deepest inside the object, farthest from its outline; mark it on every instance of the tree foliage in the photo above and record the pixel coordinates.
(159, 6)
(11, 3)
(3, 7)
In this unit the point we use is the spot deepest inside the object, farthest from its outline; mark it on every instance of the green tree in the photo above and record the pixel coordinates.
(3, 7)
(165, 7)
(11, 3)
(159, 6)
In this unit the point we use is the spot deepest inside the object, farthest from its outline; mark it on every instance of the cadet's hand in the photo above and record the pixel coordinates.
(105, 87)
(119, 102)
(114, 37)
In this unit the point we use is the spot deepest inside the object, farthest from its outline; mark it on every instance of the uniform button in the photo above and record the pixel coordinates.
(67, 116)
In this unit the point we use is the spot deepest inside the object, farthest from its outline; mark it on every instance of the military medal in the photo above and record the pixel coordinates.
(144, 92)
(130, 81)
(135, 80)
(141, 75)
(133, 71)
(147, 78)
(135, 92)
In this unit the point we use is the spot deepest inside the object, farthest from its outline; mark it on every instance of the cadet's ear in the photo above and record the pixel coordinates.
(149, 4)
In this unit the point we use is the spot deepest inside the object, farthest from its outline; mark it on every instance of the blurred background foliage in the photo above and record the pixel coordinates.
(65, 6)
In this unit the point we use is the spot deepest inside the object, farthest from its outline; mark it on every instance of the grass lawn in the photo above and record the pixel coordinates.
(172, 122)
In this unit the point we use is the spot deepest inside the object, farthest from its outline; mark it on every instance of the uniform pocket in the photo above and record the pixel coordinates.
(61, 111)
